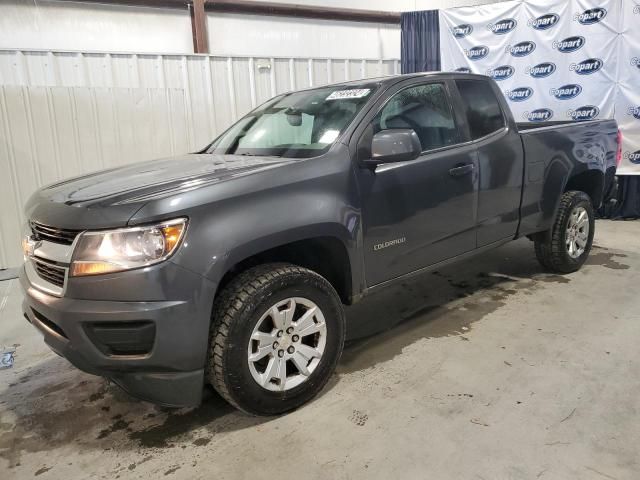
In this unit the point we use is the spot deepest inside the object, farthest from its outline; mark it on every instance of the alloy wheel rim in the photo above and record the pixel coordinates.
(577, 235)
(287, 344)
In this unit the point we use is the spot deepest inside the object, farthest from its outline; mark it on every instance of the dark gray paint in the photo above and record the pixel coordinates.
(446, 204)
(396, 145)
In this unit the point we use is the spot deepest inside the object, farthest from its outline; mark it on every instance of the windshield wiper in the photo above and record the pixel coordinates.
(245, 154)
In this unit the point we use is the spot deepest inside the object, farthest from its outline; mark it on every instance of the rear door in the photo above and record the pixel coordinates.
(420, 212)
(500, 159)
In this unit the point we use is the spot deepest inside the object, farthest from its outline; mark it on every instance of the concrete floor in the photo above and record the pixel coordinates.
(489, 369)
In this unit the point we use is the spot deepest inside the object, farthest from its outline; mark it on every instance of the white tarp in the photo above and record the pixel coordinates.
(628, 98)
(555, 59)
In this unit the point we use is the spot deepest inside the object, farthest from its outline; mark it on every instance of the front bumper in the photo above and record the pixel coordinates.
(165, 365)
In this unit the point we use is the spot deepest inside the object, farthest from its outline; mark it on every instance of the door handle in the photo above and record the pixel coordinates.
(461, 170)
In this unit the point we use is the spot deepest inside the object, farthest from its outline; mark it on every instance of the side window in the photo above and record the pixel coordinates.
(423, 108)
(483, 111)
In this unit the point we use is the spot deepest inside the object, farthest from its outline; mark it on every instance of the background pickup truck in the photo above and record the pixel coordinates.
(231, 266)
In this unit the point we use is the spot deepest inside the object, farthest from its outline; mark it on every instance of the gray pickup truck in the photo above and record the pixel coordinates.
(230, 266)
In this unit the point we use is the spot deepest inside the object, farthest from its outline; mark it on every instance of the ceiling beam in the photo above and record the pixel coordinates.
(199, 26)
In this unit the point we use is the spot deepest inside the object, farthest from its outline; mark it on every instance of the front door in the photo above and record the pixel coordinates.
(420, 212)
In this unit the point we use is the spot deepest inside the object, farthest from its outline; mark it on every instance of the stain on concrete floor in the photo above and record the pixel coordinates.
(603, 257)
(446, 302)
(51, 405)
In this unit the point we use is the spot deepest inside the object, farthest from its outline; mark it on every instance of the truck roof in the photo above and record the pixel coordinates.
(388, 80)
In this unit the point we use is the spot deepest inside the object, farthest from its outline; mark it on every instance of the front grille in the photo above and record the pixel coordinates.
(52, 234)
(51, 273)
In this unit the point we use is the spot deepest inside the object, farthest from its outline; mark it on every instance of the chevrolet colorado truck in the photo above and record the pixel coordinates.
(231, 266)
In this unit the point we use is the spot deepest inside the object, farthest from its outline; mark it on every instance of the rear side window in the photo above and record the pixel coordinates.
(482, 108)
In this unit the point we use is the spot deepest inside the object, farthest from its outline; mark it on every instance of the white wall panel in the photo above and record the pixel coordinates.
(386, 5)
(74, 26)
(54, 25)
(300, 37)
(64, 114)
(48, 24)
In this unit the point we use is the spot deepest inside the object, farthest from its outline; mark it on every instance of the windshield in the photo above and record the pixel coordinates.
(297, 125)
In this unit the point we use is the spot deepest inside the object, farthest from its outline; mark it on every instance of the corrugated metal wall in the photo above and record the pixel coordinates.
(68, 113)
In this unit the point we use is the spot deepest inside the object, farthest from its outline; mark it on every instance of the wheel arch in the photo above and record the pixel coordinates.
(590, 182)
(329, 252)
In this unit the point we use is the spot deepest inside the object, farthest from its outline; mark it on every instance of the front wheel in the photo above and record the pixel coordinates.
(566, 247)
(276, 337)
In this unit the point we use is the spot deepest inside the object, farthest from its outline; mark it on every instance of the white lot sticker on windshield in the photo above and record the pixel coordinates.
(354, 93)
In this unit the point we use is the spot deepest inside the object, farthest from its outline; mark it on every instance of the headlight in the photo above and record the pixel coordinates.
(126, 248)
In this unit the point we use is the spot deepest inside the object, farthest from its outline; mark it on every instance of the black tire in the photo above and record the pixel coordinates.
(237, 311)
(551, 248)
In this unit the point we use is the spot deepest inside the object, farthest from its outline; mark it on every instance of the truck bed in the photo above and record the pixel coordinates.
(554, 151)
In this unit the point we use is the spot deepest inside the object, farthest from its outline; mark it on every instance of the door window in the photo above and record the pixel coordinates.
(423, 108)
(483, 111)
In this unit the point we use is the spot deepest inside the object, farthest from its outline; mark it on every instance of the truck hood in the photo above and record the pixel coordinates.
(148, 180)
(126, 189)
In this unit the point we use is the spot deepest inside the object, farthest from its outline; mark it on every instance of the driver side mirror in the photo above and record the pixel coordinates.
(394, 145)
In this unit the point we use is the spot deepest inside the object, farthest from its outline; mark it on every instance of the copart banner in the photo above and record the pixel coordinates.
(555, 59)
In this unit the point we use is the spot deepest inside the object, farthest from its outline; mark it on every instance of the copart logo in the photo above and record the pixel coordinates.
(587, 67)
(477, 53)
(544, 22)
(633, 157)
(566, 92)
(541, 70)
(539, 115)
(588, 112)
(519, 94)
(591, 16)
(503, 26)
(634, 111)
(570, 44)
(463, 70)
(521, 49)
(462, 31)
(501, 73)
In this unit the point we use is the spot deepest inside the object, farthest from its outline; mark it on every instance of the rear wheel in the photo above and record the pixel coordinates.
(276, 337)
(566, 247)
